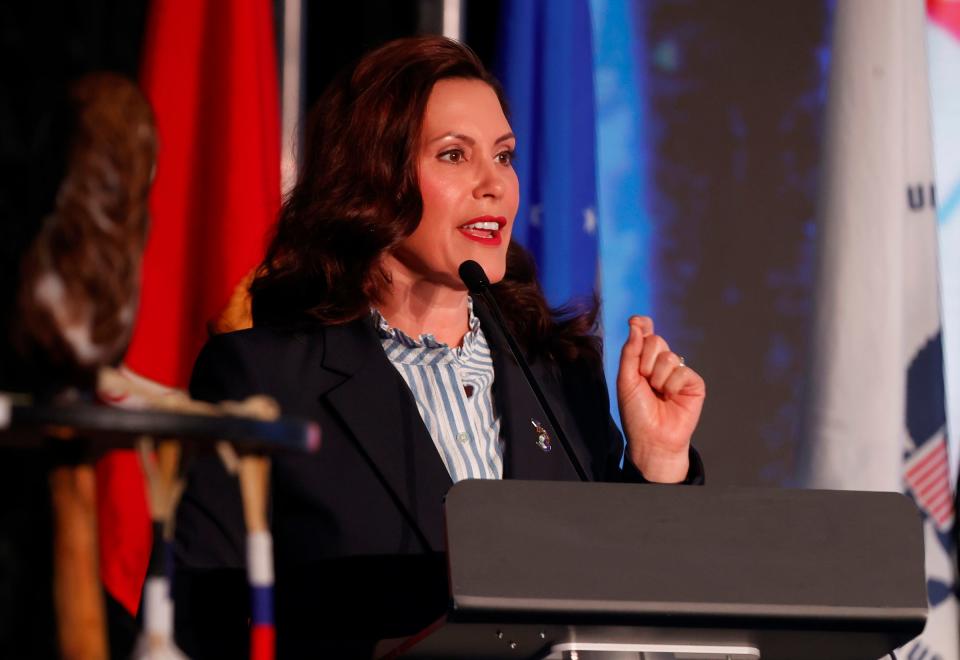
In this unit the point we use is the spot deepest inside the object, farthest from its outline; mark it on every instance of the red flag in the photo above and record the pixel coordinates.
(210, 72)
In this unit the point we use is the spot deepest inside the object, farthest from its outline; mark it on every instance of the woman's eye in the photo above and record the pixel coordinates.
(507, 157)
(452, 156)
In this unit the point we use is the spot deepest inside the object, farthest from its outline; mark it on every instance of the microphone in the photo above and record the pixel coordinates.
(471, 273)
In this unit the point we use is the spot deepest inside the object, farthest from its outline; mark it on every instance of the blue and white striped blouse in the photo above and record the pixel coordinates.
(453, 388)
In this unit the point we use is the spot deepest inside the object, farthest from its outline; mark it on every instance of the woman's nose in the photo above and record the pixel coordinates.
(489, 180)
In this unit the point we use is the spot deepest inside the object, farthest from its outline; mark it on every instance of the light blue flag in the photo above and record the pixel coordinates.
(623, 158)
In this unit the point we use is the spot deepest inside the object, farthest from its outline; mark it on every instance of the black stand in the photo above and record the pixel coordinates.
(569, 570)
(102, 428)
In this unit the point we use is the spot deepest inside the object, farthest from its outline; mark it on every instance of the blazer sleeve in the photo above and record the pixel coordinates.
(585, 389)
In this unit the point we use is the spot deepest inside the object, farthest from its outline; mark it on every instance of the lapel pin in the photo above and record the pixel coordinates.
(543, 438)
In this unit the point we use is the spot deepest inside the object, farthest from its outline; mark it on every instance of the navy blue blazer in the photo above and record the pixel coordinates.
(358, 527)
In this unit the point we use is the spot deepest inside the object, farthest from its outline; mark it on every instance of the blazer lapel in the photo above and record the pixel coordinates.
(520, 412)
(374, 402)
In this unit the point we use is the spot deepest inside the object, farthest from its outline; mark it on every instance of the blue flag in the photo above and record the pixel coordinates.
(546, 66)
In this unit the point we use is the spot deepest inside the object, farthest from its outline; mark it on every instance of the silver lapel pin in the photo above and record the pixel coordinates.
(543, 438)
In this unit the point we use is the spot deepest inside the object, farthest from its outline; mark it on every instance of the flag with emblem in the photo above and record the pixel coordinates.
(876, 408)
(546, 65)
(943, 46)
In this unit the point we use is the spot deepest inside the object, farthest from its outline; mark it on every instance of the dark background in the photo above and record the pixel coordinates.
(736, 91)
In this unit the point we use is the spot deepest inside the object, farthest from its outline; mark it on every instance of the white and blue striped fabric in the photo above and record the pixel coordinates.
(453, 388)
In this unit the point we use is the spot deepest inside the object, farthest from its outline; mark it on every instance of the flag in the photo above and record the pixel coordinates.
(876, 417)
(546, 66)
(260, 578)
(943, 32)
(623, 164)
(210, 73)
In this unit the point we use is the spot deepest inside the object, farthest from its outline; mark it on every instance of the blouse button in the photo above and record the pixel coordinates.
(462, 437)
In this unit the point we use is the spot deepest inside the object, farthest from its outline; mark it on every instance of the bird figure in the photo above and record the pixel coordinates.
(80, 277)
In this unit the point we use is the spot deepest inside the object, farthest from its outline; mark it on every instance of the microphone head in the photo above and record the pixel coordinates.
(471, 273)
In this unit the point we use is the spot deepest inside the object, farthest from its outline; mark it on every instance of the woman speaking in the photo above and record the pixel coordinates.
(362, 323)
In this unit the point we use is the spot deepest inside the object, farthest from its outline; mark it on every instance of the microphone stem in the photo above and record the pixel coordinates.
(532, 382)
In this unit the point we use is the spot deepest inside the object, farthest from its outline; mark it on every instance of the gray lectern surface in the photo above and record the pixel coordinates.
(539, 567)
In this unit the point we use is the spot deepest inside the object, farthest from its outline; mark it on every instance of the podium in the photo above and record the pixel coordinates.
(571, 571)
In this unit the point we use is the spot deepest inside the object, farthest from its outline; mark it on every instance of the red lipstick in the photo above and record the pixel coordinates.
(484, 229)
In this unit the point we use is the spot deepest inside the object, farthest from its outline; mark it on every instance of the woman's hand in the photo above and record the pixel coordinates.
(660, 401)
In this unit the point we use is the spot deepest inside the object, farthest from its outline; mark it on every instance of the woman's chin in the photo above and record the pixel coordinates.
(495, 267)
(496, 275)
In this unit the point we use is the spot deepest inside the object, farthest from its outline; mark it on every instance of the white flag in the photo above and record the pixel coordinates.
(876, 419)
(943, 46)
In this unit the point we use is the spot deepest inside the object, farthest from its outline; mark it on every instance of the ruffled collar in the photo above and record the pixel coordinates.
(427, 342)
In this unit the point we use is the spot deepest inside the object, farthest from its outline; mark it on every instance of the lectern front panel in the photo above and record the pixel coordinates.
(808, 568)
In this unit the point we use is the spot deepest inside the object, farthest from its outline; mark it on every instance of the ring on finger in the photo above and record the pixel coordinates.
(683, 362)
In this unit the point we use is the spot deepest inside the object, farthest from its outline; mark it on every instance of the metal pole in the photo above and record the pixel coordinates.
(453, 19)
(291, 92)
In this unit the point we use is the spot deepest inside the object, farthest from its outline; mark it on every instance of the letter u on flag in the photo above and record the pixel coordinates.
(876, 418)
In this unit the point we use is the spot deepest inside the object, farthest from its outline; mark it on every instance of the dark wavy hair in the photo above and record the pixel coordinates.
(358, 196)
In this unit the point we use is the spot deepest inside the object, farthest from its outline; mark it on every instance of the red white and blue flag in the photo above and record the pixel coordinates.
(927, 477)
(260, 578)
(877, 414)
(943, 46)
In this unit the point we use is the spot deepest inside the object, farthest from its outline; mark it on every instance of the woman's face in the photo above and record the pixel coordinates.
(467, 182)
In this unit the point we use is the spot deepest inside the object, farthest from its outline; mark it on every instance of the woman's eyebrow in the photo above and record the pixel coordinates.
(460, 136)
(469, 140)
